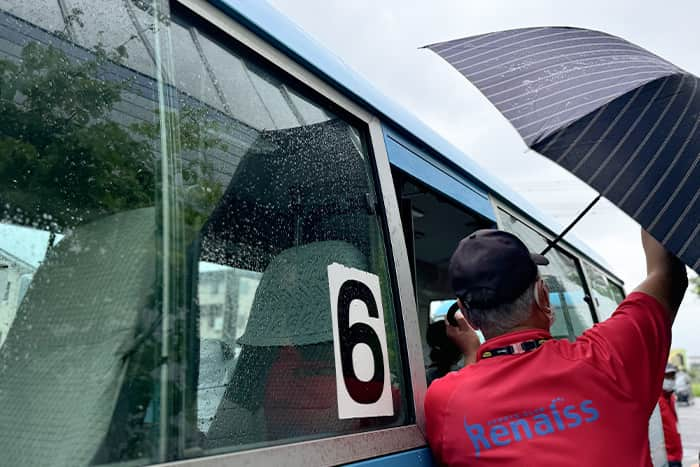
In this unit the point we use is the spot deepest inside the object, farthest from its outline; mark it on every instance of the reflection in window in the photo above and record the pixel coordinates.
(179, 289)
(296, 195)
(618, 292)
(562, 276)
(79, 159)
(285, 235)
(604, 292)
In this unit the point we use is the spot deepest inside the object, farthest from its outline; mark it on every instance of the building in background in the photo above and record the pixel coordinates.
(15, 277)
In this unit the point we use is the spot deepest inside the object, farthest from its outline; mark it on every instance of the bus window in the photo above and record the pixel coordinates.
(606, 294)
(563, 277)
(618, 292)
(80, 256)
(433, 228)
(282, 190)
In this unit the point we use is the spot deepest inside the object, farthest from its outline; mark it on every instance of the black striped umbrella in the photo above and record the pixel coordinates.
(620, 118)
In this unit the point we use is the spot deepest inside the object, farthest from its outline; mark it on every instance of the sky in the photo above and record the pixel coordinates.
(381, 40)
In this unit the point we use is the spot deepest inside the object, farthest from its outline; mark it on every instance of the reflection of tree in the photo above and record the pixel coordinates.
(695, 284)
(63, 160)
(598, 282)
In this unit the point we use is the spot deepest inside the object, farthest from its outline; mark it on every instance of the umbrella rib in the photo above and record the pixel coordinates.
(564, 123)
(680, 218)
(689, 241)
(674, 161)
(593, 121)
(556, 137)
(658, 153)
(612, 126)
(675, 192)
(624, 138)
(630, 129)
(648, 135)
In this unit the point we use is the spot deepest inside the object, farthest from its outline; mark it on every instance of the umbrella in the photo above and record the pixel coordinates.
(620, 118)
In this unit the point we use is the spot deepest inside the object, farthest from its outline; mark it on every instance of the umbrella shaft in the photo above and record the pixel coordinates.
(570, 226)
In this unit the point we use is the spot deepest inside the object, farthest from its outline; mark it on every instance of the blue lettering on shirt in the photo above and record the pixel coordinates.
(521, 427)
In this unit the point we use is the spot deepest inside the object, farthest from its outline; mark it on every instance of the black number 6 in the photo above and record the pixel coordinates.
(363, 392)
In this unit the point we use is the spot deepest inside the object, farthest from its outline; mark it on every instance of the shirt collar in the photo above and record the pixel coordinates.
(512, 338)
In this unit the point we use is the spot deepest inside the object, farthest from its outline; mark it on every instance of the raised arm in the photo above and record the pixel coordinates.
(666, 278)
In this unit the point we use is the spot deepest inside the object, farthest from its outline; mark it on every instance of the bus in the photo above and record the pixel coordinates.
(221, 246)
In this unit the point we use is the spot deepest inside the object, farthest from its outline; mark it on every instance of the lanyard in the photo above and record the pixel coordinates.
(517, 348)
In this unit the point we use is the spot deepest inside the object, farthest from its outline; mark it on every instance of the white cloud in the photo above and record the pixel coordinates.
(381, 41)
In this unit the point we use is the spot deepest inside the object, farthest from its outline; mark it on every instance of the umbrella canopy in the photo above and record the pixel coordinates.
(620, 118)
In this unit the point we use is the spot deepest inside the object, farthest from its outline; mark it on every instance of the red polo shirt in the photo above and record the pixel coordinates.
(578, 403)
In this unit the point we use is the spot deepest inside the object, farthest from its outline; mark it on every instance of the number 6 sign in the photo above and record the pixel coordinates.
(359, 343)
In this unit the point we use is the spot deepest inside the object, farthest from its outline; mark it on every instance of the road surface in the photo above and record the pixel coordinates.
(689, 424)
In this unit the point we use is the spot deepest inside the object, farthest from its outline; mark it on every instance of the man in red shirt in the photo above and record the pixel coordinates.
(669, 419)
(531, 400)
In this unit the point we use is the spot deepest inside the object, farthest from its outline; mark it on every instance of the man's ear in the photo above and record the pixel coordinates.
(465, 313)
(542, 296)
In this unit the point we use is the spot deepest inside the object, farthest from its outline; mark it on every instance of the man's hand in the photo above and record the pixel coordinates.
(464, 337)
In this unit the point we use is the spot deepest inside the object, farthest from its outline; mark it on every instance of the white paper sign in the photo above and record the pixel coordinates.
(362, 371)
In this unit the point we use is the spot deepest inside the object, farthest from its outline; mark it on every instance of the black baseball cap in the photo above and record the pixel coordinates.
(492, 267)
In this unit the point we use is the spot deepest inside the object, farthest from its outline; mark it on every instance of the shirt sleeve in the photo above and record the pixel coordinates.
(631, 347)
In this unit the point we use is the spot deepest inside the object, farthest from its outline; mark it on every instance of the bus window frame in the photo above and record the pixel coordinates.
(502, 207)
(374, 443)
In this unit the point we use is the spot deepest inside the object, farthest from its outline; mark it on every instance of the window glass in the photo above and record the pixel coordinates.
(80, 256)
(191, 75)
(306, 110)
(43, 13)
(617, 292)
(274, 99)
(165, 237)
(605, 293)
(562, 276)
(273, 200)
(237, 87)
(113, 24)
